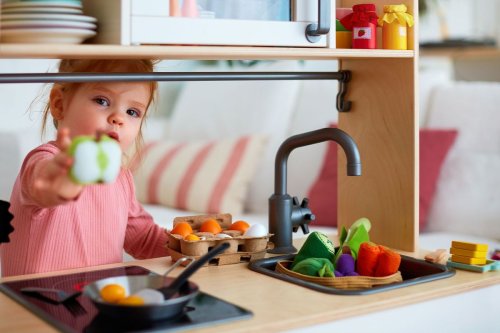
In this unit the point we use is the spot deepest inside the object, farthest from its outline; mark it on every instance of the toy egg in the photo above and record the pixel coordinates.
(256, 230)
(95, 160)
(150, 296)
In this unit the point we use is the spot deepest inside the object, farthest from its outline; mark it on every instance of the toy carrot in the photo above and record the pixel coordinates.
(368, 257)
(388, 262)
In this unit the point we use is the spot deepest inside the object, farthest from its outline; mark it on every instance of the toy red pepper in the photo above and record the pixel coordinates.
(363, 23)
(388, 262)
(377, 260)
(368, 255)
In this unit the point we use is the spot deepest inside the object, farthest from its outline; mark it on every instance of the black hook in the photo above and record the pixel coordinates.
(342, 104)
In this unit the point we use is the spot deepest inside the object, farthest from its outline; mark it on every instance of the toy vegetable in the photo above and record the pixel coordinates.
(321, 267)
(96, 160)
(363, 23)
(367, 259)
(388, 262)
(345, 266)
(377, 260)
(317, 245)
(351, 240)
(394, 24)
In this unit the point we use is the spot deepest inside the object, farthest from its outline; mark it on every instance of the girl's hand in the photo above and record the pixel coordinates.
(52, 183)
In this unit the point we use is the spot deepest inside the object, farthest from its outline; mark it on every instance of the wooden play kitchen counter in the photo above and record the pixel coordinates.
(276, 305)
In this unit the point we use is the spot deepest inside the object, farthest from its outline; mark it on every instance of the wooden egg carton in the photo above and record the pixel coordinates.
(241, 248)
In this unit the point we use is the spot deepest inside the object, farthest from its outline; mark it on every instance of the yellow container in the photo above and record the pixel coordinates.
(343, 39)
(394, 25)
(394, 36)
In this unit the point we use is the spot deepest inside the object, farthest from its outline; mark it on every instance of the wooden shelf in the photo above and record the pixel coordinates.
(61, 51)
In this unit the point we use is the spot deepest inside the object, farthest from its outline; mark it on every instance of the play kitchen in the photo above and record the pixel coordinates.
(324, 281)
(230, 297)
(133, 298)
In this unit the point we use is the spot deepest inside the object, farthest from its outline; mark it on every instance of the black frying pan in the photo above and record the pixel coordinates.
(175, 300)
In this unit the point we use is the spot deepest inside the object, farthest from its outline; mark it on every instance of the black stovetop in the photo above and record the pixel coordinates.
(82, 315)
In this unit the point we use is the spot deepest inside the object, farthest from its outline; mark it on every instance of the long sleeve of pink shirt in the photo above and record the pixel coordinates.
(92, 230)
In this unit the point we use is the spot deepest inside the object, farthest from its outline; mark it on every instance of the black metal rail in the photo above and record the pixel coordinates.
(342, 76)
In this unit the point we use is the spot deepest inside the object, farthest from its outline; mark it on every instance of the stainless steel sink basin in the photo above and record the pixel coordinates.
(413, 271)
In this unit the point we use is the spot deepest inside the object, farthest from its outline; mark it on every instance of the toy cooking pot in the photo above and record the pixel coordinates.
(177, 291)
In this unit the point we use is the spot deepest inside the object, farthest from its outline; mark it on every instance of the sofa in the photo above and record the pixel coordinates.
(459, 152)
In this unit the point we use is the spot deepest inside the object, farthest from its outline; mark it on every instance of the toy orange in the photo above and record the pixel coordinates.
(211, 225)
(182, 228)
(240, 226)
(192, 237)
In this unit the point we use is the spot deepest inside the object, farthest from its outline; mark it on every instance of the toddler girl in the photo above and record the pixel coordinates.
(59, 224)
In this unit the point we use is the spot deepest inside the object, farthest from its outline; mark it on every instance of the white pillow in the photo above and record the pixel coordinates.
(467, 196)
(213, 110)
(473, 109)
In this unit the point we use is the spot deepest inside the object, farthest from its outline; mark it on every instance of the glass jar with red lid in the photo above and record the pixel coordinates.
(363, 23)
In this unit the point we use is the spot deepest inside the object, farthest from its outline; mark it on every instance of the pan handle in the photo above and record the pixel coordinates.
(177, 263)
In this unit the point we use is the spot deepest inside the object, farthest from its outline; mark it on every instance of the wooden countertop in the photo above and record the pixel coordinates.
(277, 305)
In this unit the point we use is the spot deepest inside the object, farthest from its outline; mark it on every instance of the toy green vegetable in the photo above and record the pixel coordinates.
(315, 267)
(352, 239)
(95, 160)
(317, 245)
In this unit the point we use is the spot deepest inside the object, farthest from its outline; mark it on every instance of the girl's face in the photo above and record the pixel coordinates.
(116, 109)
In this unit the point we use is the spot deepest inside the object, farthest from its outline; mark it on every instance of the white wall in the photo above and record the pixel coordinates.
(18, 112)
(474, 19)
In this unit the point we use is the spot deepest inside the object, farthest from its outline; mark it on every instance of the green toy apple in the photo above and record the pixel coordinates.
(95, 160)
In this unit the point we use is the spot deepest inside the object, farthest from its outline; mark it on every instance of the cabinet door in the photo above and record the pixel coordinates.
(227, 22)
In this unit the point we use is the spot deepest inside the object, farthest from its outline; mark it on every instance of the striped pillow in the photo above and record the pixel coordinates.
(201, 176)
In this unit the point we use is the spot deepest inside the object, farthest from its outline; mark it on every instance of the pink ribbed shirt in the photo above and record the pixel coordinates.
(92, 230)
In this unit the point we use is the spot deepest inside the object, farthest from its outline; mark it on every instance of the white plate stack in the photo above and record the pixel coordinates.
(44, 21)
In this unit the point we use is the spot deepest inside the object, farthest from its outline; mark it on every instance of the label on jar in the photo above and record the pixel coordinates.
(362, 33)
(402, 31)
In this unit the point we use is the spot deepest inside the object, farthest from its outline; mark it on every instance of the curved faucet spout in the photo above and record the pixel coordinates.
(285, 212)
(305, 139)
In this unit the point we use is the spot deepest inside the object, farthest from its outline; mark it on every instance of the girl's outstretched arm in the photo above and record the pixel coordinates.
(51, 183)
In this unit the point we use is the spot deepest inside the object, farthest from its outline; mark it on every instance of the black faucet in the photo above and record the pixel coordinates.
(285, 212)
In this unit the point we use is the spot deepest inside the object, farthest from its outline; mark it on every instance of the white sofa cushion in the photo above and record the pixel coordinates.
(214, 110)
(467, 198)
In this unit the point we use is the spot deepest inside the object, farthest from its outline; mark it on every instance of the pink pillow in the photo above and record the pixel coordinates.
(434, 146)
